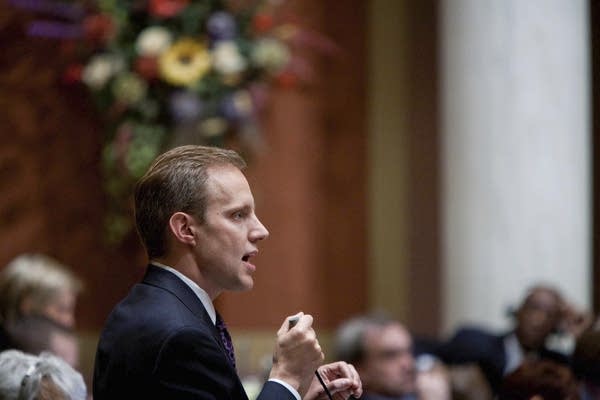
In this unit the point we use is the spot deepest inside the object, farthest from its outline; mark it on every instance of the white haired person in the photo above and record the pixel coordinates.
(44, 377)
(35, 284)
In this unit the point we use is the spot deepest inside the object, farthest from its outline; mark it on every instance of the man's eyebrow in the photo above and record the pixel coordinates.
(239, 207)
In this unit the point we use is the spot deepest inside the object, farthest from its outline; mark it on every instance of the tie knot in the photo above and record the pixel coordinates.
(220, 324)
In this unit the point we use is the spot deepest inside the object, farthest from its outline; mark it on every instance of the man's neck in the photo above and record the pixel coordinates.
(204, 297)
(188, 267)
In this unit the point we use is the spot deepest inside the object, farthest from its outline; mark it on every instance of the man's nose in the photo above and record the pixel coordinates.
(259, 232)
(539, 318)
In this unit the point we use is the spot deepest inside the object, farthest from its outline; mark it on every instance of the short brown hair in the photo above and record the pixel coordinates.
(176, 181)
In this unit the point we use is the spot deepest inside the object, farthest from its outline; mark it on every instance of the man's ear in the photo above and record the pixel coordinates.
(181, 226)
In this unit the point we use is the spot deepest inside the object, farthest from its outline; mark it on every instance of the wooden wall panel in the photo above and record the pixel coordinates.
(424, 164)
(52, 199)
(309, 185)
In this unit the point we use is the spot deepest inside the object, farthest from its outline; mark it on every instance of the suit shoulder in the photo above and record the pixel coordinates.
(472, 332)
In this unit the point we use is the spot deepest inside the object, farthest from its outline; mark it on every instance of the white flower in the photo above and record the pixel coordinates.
(100, 69)
(153, 41)
(270, 53)
(227, 58)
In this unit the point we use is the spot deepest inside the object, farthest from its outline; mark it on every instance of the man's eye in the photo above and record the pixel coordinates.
(238, 215)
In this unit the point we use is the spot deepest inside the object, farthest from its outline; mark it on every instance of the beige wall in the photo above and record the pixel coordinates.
(404, 189)
(388, 158)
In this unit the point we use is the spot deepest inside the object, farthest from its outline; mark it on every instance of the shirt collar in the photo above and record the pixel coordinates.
(202, 295)
(514, 353)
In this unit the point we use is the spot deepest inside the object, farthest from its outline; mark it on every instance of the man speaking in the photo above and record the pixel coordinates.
(195, 214)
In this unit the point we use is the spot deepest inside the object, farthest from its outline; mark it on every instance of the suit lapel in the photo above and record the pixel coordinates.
(168, 281)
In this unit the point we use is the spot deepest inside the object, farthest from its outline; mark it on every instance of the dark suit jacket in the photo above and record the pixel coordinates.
(474, 345)
(159, 343)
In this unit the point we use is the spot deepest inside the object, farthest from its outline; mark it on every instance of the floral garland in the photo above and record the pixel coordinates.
(168, 72)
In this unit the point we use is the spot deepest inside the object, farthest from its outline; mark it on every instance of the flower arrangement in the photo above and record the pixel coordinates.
(168, 72)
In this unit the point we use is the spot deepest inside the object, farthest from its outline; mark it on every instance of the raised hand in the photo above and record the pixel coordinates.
(341, 380)
(297, 354)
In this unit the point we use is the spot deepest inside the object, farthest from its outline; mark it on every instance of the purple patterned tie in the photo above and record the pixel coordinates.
(226, 339)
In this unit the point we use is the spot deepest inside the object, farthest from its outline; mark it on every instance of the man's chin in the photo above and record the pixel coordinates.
(244, 286)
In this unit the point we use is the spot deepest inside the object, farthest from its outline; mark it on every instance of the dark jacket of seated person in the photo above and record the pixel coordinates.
(499, 354)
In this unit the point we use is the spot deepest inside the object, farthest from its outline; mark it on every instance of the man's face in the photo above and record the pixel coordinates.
(537, 317)
(389, 365)
(229, 235)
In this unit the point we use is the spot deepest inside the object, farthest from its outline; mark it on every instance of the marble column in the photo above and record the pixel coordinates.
(516, 154)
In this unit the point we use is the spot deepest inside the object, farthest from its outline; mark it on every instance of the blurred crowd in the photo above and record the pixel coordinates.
(524, 363)
(39, 350)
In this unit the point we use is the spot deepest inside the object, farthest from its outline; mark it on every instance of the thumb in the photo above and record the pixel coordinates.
(287, 325)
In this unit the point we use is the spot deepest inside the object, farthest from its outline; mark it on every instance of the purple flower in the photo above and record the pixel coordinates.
(55, 30)
(237, 106)
(185, 106)
(221, 26)
(60, 9)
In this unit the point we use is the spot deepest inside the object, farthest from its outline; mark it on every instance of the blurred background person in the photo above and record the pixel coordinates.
(381, 350)
(542, 313)
(35, 284)
(36, 334)
(586, 364)
(539, 380)
(44, 377)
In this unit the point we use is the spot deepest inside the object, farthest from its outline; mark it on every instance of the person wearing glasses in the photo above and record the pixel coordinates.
(195, 214)
(381, 349)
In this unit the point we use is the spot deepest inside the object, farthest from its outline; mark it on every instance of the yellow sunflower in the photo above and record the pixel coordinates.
(185, 62)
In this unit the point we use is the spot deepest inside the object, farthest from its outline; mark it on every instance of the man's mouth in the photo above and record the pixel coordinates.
(246, 261)
(247, 257)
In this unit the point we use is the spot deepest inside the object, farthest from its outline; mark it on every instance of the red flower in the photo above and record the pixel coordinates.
(262, 22)
(98, 28)
(147, 67)
(166, 8)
